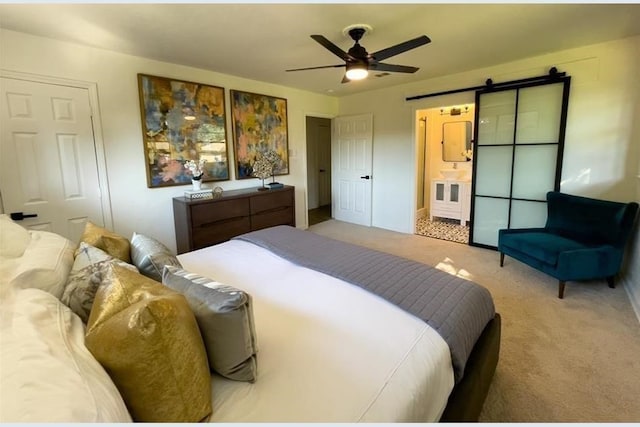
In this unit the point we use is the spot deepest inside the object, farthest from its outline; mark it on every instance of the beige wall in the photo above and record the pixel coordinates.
(601, 154)
(134, 206)
(601, 147)
(631, 271)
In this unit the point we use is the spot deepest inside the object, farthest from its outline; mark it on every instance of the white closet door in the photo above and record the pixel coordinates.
(48, 156)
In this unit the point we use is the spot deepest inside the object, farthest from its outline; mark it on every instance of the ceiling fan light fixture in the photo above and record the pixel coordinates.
(357, 71)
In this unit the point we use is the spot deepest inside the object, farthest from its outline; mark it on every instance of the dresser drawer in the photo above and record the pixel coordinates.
(222, 210)
(270, 201)
(280, 216)
(221, 231)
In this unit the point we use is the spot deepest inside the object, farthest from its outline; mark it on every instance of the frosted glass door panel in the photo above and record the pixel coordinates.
(455, 191)
(493, 174)
(440, 191)
(539, 113)
(534, 171)
(490, 215)
(528, 214)
(497, 118)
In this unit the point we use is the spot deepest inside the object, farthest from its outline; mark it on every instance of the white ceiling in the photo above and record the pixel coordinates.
(260, 41)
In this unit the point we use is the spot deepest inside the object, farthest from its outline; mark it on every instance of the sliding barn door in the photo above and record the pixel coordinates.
(517, 156)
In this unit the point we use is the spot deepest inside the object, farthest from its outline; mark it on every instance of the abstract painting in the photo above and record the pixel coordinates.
(259, 125)
(182, 121)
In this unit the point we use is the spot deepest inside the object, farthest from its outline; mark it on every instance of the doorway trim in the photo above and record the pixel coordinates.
(96, 122)
(427, 104)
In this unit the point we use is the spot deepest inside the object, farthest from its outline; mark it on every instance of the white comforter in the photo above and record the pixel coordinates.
(328, 350)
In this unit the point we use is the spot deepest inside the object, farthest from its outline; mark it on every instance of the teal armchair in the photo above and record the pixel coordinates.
(583, 239)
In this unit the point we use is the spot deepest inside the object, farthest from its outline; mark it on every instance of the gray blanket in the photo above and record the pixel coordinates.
(456, 308)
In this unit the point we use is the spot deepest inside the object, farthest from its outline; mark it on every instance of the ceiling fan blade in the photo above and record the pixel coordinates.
(379, 66)
(333, 48)
(316, 68)
(400, 48)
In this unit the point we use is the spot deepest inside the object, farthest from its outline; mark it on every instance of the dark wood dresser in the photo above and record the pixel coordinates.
(206, 222)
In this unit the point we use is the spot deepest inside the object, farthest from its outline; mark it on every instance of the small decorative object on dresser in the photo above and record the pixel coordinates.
(205, 193)
(197, 172)
(275, 160)
(262, 169)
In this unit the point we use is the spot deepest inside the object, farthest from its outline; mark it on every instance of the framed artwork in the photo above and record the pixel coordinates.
(259, 129)
(182, 121)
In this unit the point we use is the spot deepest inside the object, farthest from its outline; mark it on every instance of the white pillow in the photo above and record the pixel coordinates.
(14, 238)
(46, 372)
(45, 263)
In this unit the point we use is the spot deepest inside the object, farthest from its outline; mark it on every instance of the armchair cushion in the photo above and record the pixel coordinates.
(543, 246)
(589, 263)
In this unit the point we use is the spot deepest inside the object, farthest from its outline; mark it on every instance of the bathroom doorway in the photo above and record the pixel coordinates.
(444, 167)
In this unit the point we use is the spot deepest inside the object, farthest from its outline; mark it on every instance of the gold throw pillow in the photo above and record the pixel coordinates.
(147, 339)
(114, 244)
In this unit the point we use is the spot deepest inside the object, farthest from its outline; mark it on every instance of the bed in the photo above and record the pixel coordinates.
(306, 328)
(335, 344)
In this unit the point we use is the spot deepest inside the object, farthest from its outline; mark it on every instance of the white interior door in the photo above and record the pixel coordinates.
(351, 153)
(48, 163)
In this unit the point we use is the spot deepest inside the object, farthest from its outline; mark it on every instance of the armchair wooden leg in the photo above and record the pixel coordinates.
(610, 281)
(561, 289)
(501, 259)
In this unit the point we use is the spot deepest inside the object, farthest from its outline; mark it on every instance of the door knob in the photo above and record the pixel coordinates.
(365, 177)
(322, 170)
(19, 216)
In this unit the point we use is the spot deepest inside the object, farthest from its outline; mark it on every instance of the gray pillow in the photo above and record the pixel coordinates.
(150, 256)
(225, 317)
(88, 273)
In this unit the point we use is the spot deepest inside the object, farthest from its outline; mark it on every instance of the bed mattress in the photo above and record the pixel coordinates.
(328, 351)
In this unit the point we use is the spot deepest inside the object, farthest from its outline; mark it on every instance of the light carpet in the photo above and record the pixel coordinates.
(570, 360)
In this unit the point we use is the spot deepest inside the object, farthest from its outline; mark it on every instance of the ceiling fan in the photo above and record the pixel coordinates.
(358, 62)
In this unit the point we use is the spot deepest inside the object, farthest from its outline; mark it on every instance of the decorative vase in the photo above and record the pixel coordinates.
(197, 184)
